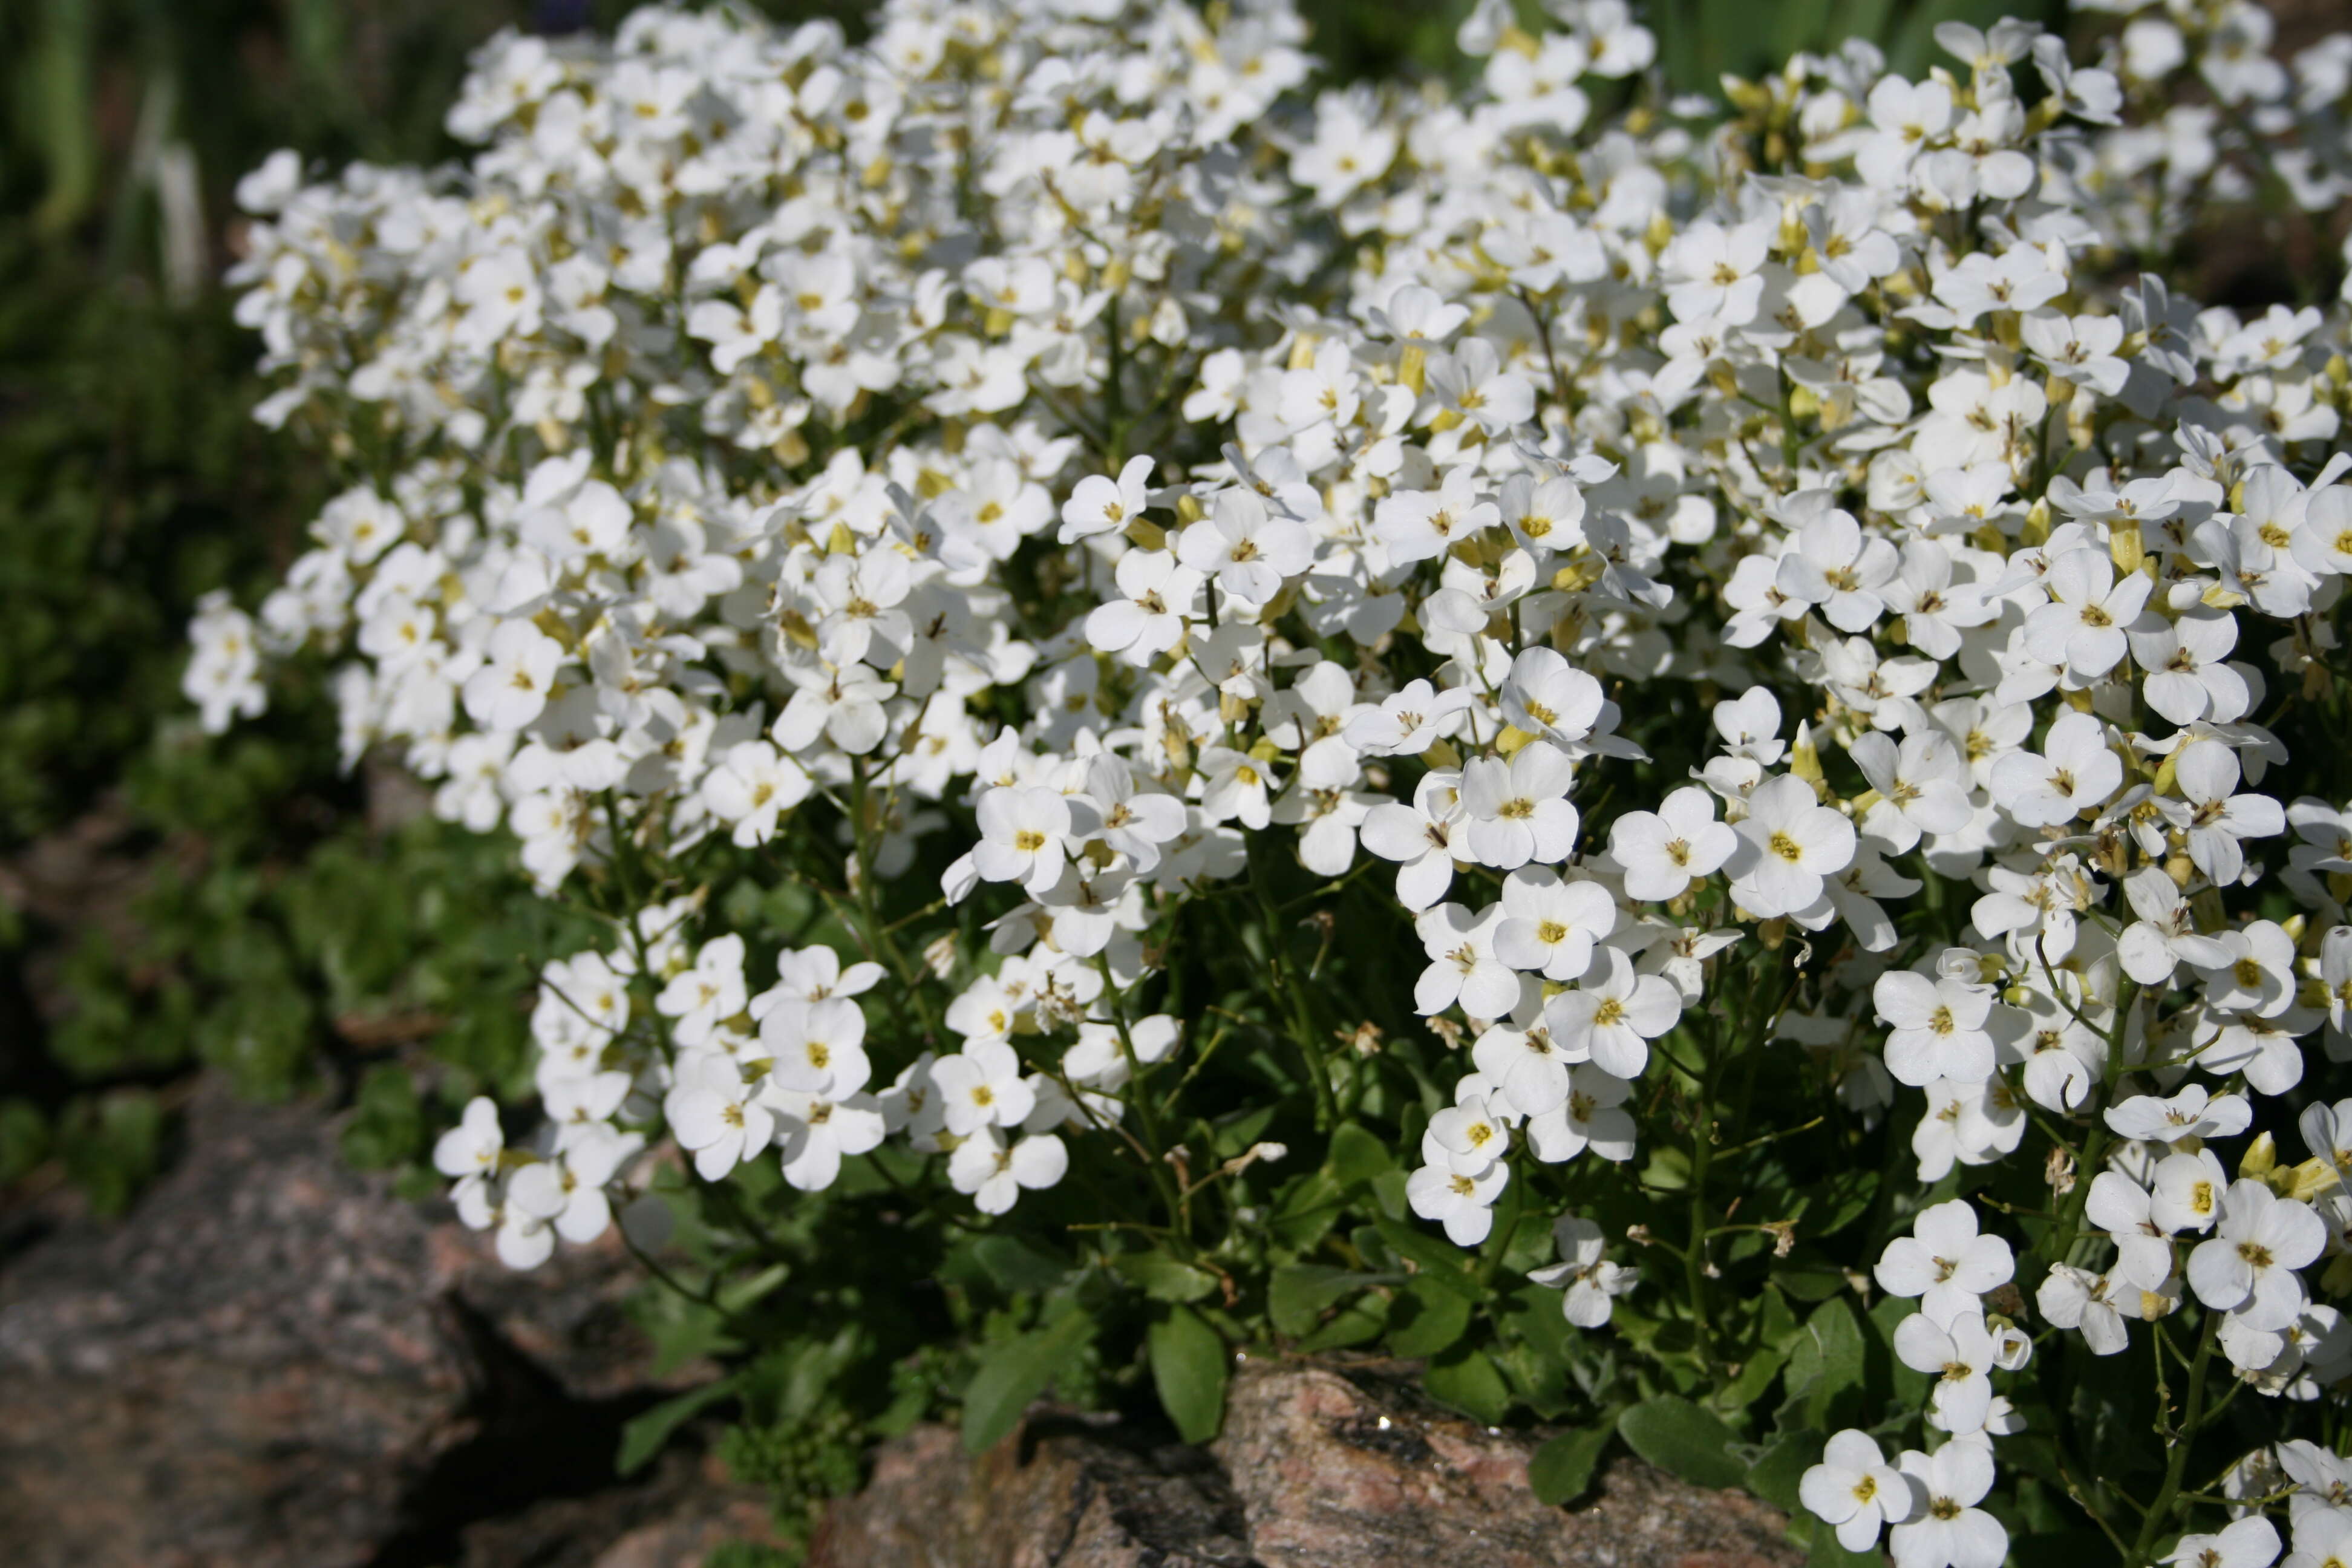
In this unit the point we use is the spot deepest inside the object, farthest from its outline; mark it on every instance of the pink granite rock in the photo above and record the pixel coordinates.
(1313, 1470)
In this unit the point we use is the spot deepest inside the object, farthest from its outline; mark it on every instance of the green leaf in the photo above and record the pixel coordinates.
(1682, 1440)
(1826, 1360)
(1755, 1376)
(1307, 1209)
(1563, 1468)
(1844, 1199)
(1189, 1367)
(1828, 1553)
(1809, 1280)
(1426, 1318)
(1162, 1277)
(24, 1139)
(1012, 1374)
(1232, 1135)
(1364, 1319)
(388, 1126)
(1439, 1259)
(1297, 1296)
(1468, 1379)
(1017, 1264)
(745, 1294)
(647, 1435)
(1777, 1472)
(1357, 1155)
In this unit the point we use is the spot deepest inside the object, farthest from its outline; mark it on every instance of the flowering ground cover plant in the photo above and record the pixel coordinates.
(1688, 766)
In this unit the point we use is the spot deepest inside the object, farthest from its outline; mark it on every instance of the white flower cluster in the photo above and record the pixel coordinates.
(732, 421)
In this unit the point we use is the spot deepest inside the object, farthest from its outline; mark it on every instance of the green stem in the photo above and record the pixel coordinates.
(2159, 1512)
(1702, 1155)
(1302, 1025)
(2061, 1237)
(1180, 1213)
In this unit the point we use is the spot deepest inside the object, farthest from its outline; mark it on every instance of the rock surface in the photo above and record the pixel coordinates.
(276, 1362)
(1313, 1471)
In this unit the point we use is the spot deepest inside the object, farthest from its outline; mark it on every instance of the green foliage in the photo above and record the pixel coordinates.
(1562, 1469)
(112, 1145)
(1679, 1438)
(1189, 1364)
(1015, 1373)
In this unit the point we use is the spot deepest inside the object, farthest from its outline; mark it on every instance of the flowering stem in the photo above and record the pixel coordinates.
(2061, 1237)
(872, 932)
(1180, 1213)
(1302, 1023)
(1702, 1154)
(2159, 1512)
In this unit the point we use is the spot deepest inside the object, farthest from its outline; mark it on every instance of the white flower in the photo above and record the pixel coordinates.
(1549, 925)
(843, 706)
(1836, 566)
(1918, 783)
(1612, 1019)
(1424, 847)
(1944, 1261)
(1938, 1028)
(470, 1151)
(1946, 1530)
(1855, 1490)
(1159, 594)
(995, 1174)
(1406, 721)
(1589, 1116)
(2085, 624)
(1514, 812)
(1099, 505)
(1235, 786)
(699, 999)
(981, 1087)
(517, 676)
(2189, 1114)
(716, 1115)
(1463, 965)
(1719, 272)
(1591, 1284)
(567, 1193)
(2078, 1298)
(2185, 1194)
(2122, 1207)
(1545, 695)
(1790, 843)
(2213, 815)
(1419, 524)
(1246, 548)
(816, 1047)
(2249, 1267)
(2251, 1543)
(818, 1130)
(1465, 1138)
(2082, 349)
(1463, 1203)
(1664, 851)
(2074, 771)
(1022, 837)
(2166, 933)
(1470, 381)
(2322, 1536)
